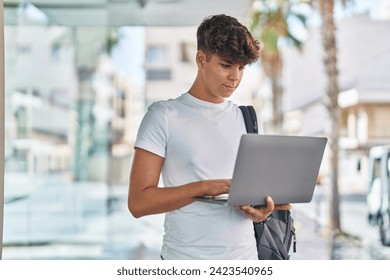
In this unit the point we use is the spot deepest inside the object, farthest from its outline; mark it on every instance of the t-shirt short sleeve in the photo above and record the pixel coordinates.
(152, 134)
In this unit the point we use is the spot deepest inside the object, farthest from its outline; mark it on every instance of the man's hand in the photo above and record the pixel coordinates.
(262, 213)
(215, 187)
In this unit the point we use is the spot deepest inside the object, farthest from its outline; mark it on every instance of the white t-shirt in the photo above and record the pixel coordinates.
(199, 141)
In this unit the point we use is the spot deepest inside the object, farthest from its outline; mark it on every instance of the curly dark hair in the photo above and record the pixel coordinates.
(226, 37)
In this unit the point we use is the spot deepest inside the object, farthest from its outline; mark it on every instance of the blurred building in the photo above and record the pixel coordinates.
(169, 61)
(77, 114)
(364, 71)
(38, 116)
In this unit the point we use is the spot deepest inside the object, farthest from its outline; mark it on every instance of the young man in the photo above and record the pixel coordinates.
(193, 141)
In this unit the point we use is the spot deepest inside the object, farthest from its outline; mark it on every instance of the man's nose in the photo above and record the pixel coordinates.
(234, 74)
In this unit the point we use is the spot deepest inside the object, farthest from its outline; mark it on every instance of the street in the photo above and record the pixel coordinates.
(52, 220)
(360, 240)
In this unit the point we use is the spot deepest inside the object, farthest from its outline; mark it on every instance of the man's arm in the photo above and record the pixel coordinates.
(146, 198)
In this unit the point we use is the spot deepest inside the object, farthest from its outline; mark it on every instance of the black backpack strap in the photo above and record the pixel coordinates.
(250, 118)
(252, 112)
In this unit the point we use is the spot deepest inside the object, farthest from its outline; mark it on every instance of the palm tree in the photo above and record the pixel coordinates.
(269, 25)
(328, 29)
(328, 34)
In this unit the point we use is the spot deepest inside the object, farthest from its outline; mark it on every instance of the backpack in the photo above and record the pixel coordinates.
(275, 235)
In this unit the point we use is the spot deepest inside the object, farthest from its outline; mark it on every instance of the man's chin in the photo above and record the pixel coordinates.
(228, 93)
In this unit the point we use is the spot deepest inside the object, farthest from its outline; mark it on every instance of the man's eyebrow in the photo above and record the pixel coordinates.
(231, 62)
(227, 61)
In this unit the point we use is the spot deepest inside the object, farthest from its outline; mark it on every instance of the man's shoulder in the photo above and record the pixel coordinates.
(166, 102)
(171, 104)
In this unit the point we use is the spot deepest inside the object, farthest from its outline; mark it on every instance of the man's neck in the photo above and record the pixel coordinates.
(199, 92)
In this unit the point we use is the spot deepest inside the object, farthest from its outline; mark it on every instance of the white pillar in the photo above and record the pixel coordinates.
(2, 93)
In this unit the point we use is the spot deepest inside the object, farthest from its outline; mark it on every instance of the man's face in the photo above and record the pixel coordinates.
(220, 77)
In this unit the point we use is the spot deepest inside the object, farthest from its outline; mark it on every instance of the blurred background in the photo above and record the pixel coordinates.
(79, 76)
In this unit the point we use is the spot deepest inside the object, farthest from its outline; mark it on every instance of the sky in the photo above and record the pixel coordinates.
(377, 9)
(374, 7)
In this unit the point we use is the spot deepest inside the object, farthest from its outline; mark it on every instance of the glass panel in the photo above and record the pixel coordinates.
(74, 99)
(75, 95)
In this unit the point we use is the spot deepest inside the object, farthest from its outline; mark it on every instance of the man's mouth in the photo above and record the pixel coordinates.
(231, 87)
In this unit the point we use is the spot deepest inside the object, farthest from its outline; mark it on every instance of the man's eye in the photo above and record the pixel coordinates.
(225, 65)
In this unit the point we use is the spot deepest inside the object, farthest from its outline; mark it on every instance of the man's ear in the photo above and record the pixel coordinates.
(200, 59)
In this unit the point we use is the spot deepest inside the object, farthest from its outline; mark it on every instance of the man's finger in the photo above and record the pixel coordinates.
(283, 207)
(270, 204)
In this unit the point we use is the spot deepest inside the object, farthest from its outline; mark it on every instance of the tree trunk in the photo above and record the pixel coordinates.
(273, 64)
(277, 104)
(328, 30)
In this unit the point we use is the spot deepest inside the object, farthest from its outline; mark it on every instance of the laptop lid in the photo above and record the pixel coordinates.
(283, 167)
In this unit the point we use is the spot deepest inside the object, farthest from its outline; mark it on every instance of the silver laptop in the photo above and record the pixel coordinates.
(283, 167)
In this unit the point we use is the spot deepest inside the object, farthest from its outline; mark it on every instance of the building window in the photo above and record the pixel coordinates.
(157, 63)
(158, 74)
(23, 49)
(157, 55)
(187, 51)
(56, 52)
